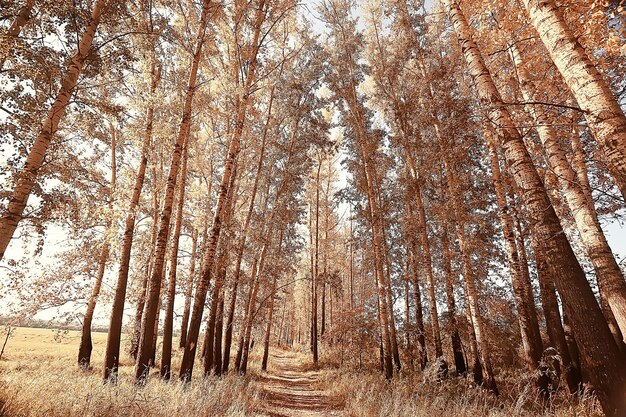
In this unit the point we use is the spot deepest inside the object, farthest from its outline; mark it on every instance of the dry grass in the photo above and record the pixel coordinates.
(39, 377)
(366, 393)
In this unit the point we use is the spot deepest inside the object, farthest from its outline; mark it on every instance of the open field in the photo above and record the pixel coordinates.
(39, 377)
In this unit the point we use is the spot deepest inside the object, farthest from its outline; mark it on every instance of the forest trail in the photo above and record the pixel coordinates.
(290, 389)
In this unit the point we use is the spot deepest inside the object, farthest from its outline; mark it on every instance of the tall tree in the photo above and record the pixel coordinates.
(85, 348)
(186, 367)
(28, 176)
(604, 115)
(154, 284)
(600, 353)
(608, 273)
(112, 353)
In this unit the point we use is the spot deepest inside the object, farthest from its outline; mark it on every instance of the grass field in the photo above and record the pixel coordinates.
(39, 377)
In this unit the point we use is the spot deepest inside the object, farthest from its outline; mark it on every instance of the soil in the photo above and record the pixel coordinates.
(292, 388)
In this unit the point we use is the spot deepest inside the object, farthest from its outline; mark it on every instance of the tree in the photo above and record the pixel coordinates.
(26, 180)
(563, 265)
(604, 115)
(154, 283)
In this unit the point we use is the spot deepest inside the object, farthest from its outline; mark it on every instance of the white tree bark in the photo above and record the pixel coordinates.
(604, 115)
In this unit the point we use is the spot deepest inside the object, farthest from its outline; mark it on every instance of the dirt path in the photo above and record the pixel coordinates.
(289, 389)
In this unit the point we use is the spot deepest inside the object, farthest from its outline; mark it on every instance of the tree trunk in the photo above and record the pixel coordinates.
(392, 320)
(377, 241)
(266, 341)
(419, 317)
(598, 349)
(84, 350)
(168, 323)
(457, 347)
(209, 348)
(26, 179)
(242, 334)
(527, 315)
(222, 263)
(186, 367)
(407, 308)
(554, 327)
(270, 314)
(141, 299)
(189, 289)
(7, 42)
(606, 119)
(428, 266)
(112, 354)
(578, 162)
(154, 284)
(155, 337)
(219, 333)
(608, 273)
(574, 351)
(248, 324)
(315, 276)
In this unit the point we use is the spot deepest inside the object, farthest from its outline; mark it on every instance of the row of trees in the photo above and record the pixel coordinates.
(487, 160)
(481, 144)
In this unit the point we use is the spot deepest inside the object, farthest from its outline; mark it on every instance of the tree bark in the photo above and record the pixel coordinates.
(219, 333)
(606, 119)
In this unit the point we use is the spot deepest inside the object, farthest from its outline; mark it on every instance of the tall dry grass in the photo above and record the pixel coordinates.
(365, 392)
(39, 377)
